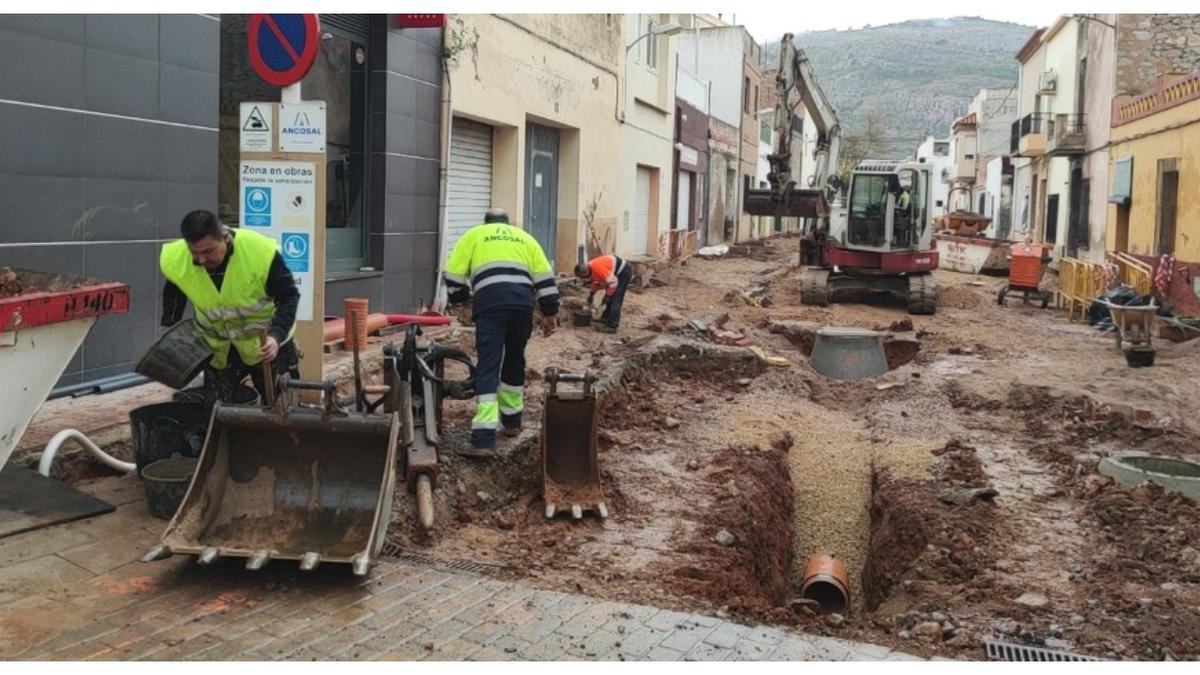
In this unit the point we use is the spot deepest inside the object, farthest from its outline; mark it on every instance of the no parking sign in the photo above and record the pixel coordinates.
(283, 47)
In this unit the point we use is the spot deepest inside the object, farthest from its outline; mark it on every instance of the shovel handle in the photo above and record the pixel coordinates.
(268, 374)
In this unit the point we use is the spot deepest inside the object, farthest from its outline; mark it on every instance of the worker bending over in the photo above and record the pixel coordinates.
(612, 275)
(502, 270)
(240, 290)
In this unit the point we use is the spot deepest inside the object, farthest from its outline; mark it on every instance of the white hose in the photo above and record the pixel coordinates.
(84, 442)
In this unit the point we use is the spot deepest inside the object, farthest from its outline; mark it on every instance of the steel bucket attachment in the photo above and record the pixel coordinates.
(177, 357)
(307, 484)
(790, 204)
(848, 353)
(570, 469)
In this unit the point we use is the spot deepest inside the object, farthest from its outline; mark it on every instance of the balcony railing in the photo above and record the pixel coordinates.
(1067, 136)
(1167, 93)
(1028, 137)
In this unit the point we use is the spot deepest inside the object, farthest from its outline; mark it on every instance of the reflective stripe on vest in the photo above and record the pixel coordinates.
(240, 311)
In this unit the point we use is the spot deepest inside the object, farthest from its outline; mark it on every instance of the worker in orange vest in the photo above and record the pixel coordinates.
(611, 274)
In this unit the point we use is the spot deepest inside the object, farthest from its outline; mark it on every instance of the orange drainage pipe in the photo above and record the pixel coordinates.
(825, 581)
(335, 329)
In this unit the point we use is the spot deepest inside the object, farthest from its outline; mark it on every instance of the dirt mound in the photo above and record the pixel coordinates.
(959, 297)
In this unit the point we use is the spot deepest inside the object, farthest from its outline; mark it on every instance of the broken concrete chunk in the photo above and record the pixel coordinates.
(744, 382)
(693, 465)
(928, 629)
(725, 538)
(835, 620)
(670, 422)
(1032, 600)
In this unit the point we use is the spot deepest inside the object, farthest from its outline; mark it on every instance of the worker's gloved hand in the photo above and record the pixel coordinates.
(549, 323)
(269, 349)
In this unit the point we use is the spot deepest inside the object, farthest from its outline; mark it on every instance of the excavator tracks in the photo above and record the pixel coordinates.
(814, 286)
(922, 294)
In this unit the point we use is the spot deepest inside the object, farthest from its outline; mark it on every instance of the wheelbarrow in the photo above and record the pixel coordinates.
(1027, 265)
(1134, 324)
(289, 483)
(569, 465)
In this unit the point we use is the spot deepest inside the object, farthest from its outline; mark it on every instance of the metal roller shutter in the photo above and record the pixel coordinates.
(469, 185)
(355, 27)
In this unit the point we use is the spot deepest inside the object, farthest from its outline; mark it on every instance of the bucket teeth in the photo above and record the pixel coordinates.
(577, 512)
(257, 560)
(361, 564)
(602, 509)
(310, 561)
(208, 555)
(551, 510)
(158, 552)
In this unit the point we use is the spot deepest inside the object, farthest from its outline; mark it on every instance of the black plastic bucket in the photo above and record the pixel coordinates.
(166, 483)
(164, 430)
(177, 357)
(243, 396)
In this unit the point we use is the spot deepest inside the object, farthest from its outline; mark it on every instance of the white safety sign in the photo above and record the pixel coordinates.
(302, 127)
(255, 130)
(279, 200)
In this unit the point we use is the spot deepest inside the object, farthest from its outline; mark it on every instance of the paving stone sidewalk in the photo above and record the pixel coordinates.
(76, 592)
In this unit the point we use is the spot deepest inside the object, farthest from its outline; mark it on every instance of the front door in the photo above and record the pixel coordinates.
(541, 185)
(1077, 234)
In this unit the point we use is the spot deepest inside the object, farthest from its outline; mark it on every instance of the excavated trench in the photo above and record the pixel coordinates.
(695, 522)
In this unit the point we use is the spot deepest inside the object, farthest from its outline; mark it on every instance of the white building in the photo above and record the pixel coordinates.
(938, 153)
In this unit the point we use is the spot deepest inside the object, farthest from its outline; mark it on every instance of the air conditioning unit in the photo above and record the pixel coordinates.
(1047, 82)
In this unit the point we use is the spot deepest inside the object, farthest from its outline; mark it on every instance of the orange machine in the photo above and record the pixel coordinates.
(1028, 262)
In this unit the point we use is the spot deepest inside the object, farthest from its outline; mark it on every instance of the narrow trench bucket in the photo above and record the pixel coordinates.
(297, 486)
(570, 468)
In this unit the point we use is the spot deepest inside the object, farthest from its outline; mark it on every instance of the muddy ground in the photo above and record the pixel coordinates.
(723, 474)
(960, 489)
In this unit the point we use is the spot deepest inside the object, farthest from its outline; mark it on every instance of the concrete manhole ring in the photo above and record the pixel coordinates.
(1173, 474)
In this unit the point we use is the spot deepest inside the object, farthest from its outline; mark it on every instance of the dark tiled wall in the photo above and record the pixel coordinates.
(406, 75)
(108, 135)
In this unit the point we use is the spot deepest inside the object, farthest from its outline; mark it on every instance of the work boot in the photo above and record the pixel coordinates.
(510, 425)
(604, 328)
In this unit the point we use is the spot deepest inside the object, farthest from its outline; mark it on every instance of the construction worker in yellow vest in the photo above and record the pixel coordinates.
(240, 289)
(502, 270)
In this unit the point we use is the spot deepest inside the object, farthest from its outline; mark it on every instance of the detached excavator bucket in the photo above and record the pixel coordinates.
(570, 468)
(293, 484)
(795, 204)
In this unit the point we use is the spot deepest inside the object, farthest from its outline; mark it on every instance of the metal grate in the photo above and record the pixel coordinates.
(353, 26)
(1006, 651)
(393, 553)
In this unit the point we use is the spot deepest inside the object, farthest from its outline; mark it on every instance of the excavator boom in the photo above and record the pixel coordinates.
(796, 85)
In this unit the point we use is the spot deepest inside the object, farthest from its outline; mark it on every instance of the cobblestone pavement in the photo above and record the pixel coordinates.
(76, 592)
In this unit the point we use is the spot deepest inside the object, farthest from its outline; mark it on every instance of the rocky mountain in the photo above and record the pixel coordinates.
(913, 78)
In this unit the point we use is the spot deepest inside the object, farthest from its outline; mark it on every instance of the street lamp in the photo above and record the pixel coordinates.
(669, 28)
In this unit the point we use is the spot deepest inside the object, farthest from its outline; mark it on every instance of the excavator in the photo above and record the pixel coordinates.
(877, 238)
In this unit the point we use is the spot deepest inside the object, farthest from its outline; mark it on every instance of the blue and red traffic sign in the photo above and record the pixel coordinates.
(283, 47)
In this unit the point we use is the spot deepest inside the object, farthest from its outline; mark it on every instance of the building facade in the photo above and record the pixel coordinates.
(112, 127)
(939, 154)
(536, 104)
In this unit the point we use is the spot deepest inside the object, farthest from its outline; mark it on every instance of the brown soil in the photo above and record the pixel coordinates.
(697, 438)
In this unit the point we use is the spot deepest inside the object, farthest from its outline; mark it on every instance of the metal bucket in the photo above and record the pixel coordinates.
(177, 357)
(166, 482)
(163, 430)
(582, 317)
(848, 353)
(304, 484)
(570, 468)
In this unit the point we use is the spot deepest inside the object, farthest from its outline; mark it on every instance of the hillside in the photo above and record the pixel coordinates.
(915, 76)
